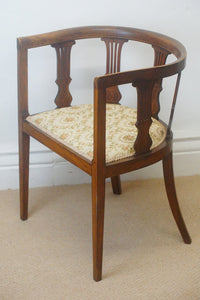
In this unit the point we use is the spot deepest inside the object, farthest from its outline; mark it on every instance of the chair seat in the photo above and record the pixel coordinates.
(73, 127)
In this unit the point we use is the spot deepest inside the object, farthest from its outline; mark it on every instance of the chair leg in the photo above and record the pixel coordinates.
(24, 142)
(98, 204)
(116, 184)
(173, 202)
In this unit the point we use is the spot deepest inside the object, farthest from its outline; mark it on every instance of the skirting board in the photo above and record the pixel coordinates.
(47, 168)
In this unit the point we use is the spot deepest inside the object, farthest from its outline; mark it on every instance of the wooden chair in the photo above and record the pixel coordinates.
(101, 158)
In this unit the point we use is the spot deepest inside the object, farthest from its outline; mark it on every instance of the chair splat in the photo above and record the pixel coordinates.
(113, 60)
(144, 99)
(63, 51)
(159, 59)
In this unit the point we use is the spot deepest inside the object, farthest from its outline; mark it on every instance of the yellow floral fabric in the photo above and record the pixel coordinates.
(73, 126)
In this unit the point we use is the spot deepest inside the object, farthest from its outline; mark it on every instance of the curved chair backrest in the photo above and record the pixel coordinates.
(148, 82)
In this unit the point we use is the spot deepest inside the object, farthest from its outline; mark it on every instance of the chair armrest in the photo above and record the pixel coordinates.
(144, 81)
(147, 74)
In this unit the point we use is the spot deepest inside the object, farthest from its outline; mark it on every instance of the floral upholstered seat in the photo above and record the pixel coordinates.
(73, 126)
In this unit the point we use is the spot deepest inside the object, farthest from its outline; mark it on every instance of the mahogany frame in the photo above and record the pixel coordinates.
(148, 83)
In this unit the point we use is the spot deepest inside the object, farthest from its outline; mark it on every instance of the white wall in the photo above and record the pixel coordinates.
(177, 18)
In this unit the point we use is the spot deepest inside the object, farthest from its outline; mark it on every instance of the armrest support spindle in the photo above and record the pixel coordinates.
(22, 69)
(174, 103)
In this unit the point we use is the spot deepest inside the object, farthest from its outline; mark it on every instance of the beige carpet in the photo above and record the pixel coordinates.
(50, 255)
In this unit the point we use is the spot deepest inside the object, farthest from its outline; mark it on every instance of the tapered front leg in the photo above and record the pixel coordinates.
(98, 177)
(173, 202)
(24, 139)
(116, 184)
(98, 204)
(24, 142)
